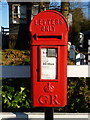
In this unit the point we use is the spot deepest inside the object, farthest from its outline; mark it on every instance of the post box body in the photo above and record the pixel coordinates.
(49, 39)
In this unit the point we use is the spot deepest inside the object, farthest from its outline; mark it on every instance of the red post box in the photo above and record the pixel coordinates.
(49, 40)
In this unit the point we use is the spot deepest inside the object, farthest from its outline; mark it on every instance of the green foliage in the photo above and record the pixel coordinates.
(15, 96)
(79, 22)
(78, 100)
(85, 26)
(77, 95)
(78, 15)
(74, 34)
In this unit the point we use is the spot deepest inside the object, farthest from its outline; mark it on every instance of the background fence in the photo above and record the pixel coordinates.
(24, 71)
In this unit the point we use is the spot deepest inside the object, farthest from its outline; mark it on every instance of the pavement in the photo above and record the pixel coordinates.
(40, 116)
(43, 119)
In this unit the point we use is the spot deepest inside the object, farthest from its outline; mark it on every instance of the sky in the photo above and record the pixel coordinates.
(0, 14)
(4, 13)
(4, 17)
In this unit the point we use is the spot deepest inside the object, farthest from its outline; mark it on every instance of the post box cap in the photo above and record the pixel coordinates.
(49, 28)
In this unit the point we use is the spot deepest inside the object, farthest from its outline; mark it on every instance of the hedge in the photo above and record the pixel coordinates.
(16, 95)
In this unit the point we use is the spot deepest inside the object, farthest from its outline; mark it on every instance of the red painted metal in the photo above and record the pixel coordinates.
(49, 30)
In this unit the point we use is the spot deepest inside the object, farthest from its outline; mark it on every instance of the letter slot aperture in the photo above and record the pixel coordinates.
(53, 37)
(46, 37)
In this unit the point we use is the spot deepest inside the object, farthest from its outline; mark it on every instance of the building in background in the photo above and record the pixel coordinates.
(20, 15)
(19, 20)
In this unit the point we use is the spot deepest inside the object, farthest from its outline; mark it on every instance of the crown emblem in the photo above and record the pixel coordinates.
(49, 88)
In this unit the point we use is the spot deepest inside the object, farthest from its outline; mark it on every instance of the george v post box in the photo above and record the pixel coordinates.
(49, 40)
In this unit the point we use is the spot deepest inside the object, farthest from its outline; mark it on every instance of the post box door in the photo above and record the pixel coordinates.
(49, 82)
(49, 61)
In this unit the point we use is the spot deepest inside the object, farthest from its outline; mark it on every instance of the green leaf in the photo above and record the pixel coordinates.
(22, 89)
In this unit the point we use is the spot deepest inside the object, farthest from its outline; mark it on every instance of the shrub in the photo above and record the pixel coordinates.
(15, 57)
(16, 94)
(78, 99)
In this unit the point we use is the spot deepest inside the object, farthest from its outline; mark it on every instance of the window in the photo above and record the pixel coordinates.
(34, 10)
(18, 14)
(23, 14)
(15, 13)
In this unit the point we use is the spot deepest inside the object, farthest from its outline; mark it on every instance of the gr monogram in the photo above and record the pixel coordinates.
(49, 100)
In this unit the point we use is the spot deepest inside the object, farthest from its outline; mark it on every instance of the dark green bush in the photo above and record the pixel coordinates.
(78, 98)
(16, 95)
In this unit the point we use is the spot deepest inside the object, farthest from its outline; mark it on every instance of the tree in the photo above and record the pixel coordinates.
(78, 20)
(65, 9)
(41, 8)
(74, 34)
(78, 16)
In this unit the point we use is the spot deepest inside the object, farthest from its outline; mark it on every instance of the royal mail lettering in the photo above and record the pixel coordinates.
(48, 22)
(48, 28)
(49, 100)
